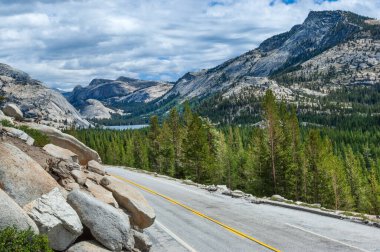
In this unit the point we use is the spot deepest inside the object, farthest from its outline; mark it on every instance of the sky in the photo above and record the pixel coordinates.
(65, 43)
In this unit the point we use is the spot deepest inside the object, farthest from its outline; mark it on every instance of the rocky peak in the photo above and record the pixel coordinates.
(126, 79)
(96, 82)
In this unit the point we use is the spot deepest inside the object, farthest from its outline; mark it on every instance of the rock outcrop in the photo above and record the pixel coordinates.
(55, 218)
(12, 215)
(94, 109)
(22, 178)
(47, 190)
(12, 110)
(37, 101)
(61, 153)
(133, 201)
(85, 154)
(108, 225)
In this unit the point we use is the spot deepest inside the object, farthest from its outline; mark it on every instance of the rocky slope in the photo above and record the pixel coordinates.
(110, 95)
(36, 101)
(62, 190)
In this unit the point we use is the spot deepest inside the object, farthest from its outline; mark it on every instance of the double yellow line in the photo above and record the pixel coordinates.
(232, 230)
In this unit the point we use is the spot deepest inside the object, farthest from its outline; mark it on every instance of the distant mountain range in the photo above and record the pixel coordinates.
(323, 66)
(93, 100)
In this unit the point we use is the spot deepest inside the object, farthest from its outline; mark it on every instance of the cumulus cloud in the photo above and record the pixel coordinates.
(66, 43)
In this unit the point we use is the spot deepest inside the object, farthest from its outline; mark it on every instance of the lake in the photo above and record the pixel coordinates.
(127, 127)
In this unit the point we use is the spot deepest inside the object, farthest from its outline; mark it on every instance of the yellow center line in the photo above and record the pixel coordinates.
(232, 230)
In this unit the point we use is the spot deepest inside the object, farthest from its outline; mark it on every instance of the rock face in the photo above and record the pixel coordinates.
(66, 141)
(94, 109)
(12, 110)
(95, 167)
(55, 218)
(19, 134)
(61, 153)
(12, 214)
(133, 201)
(87, 246)
(21, 177)
(108, 225)
(37, 101)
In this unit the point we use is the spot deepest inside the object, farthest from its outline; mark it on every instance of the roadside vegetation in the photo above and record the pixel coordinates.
(334, 167)
(13, 240)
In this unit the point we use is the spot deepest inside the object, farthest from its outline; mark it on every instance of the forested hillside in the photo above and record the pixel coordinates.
(335, 167)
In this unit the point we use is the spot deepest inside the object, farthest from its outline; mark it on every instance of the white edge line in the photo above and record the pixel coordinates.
(325, 237)
(175, 237)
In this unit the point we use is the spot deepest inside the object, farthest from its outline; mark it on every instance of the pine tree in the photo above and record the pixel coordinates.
(176, 138)
(154, 144)
(274, 133)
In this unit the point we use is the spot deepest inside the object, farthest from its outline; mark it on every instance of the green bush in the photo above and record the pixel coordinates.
(13, 240)
(6, 123)
(40, 139)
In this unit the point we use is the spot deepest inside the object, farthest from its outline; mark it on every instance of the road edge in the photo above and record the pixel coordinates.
(256, 200)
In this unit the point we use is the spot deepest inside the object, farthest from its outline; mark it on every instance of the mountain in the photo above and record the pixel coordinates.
(329, 53)
(35, 100)
(114, 96)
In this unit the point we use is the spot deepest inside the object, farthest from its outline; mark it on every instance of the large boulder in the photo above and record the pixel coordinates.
(79, 176)
(55, 218)
(101, 193)
(85, 154)
(11, 214)
(61, 153)
(13, 110)
(87, 246)
(96, 167)
(22, 178)
(19, 134)
(133, 201)
(107, 224)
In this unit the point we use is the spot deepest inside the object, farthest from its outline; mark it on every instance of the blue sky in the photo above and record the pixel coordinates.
(69, 42)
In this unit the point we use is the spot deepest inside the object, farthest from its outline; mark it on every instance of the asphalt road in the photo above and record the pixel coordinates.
(179, 229)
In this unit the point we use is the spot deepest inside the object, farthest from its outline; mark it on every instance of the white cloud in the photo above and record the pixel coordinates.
(65, 43)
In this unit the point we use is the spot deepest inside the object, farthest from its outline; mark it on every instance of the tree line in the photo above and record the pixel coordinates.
(313, 165)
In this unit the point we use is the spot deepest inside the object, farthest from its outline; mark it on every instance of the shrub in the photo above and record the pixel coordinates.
(40, 139)
(6, 123)
(13, 240)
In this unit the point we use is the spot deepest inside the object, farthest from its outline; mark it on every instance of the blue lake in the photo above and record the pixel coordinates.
(127, 127)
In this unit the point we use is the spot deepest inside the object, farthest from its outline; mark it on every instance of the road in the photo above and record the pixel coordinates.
(179, 229)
